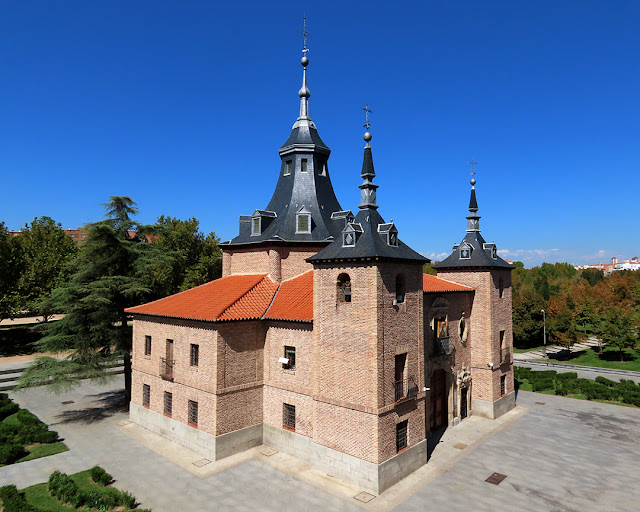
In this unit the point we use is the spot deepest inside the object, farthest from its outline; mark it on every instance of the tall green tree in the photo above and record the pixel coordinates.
(111, 274)
(192, 258)
(7, 275)
(619, 329)
(42, 251)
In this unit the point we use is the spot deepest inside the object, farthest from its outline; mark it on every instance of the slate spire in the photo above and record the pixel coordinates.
(473, 220)
(368, 188)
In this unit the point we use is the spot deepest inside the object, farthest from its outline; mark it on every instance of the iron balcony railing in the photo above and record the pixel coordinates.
(166, 368)
(405, 389)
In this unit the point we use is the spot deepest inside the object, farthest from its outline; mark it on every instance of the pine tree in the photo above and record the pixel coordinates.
(111, 274)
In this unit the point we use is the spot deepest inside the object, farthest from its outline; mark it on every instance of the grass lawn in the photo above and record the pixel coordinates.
(530, 349)
(610, 358)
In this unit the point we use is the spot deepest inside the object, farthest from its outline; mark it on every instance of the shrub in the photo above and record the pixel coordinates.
(560, 390)
(8, 409)
(9, 453)
(629, 384)
(567, 376)
(14, 501)
(63, 487)
(127, 499)
(100, 476)
(27, 418)
(631, 397)
(606, 382)
(543, 385)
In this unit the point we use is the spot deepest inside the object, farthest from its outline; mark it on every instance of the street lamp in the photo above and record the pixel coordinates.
(544, 323)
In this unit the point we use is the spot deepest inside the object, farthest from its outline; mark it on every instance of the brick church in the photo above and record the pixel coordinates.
(323, 338)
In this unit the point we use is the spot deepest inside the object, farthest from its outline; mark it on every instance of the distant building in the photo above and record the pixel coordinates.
(614, 265)
(323, 338)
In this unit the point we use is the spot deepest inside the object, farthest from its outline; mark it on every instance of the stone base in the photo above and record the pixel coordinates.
(211, 447)
(493, 410)
(370, 477)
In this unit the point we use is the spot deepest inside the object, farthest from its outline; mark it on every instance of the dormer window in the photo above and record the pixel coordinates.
(303, 221)
(393, 239)
(260, 221)
(349, 240)
(350, 234)
(491, 247)
(255, 226)
(390, 233)
(465, 252)
(303, 165)
(287, 167)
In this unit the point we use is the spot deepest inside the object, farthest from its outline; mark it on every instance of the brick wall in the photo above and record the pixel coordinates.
(274, 398)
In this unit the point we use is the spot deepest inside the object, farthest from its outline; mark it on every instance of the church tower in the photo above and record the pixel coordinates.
(303, 216)
(475, 263)
(368, 359)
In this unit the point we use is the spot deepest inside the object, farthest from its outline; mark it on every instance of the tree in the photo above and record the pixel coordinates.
(427, 268)
(7, 275)
(42, 251)
(619, 329)
(192, 258)
(592, 275)
(111, 274)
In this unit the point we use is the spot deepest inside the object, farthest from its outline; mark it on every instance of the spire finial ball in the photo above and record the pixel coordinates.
(367, 136)
(304, 61)
(473, 181)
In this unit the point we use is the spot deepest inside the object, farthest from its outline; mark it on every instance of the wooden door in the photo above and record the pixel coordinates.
(439, 411)
(463, 403)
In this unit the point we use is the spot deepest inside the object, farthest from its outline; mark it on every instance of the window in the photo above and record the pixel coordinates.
(502, 351)
(287, 168)
(289, 417)
(344, 288)
(255, 226)
(323, 172)
(290, 354)
(303, 165)
(192, 413)
(401, 436)
(168, 403)
(400, 385)
(146, 395)
(503, 385)
(303, 224)
(147, 345)
(500, 287)
(195, 354)
(400, 289)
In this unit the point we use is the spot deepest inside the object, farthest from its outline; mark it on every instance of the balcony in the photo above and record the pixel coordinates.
(442, 346)
(405, 389)
(506, 358)
(166, 368)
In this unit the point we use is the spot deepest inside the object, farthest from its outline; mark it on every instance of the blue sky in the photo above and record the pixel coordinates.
(183, 105)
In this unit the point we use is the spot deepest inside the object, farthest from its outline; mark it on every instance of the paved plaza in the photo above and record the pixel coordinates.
(557, 455)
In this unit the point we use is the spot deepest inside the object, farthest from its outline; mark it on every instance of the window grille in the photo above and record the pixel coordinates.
(193, 413)
(168, 403)
(146, 395)
(195, 354)
(303, 223)
(255, 226)
(401, 436)
(147, 345)
(289, 417)
(503, 385)
(303, 165)
(287, 168)
(502, 354)
(290, 354)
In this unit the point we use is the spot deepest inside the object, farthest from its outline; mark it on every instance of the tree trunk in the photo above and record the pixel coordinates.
(127, 376)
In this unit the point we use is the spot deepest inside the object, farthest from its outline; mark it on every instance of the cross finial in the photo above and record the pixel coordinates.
(368, 111)
(473, 167)
(305, 34)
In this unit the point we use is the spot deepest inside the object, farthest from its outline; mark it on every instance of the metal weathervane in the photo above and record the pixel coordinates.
(305, 34)
(473, 167)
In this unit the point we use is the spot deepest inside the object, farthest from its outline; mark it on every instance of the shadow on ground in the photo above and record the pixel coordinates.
(433, 440)
(109, 403)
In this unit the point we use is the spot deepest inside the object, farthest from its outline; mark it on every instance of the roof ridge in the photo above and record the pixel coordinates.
(264, 276)
(448, 281)
(264, 315)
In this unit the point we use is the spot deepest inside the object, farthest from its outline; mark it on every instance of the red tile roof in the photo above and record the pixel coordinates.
(237, 297)
(436, 284)
(294, 300)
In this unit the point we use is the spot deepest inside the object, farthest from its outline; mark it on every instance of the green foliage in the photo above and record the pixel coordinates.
(42, 252)
(8, 276)
(14, 500)
(10, 453)
(568, 383)
(111, 274)
(100, 476)
(8, 409)
(192, 259)
(427, 268)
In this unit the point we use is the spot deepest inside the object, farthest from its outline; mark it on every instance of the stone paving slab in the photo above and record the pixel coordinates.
(565, 455)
